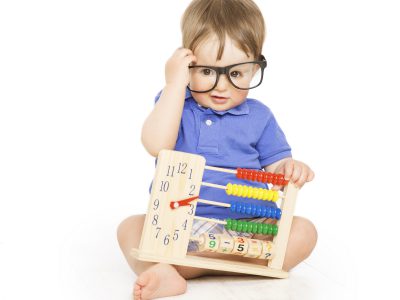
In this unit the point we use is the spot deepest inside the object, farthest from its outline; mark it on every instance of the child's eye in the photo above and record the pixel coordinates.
(207, 72)
(235, 74)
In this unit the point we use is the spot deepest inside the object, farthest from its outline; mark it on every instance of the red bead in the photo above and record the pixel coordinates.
(260, 176)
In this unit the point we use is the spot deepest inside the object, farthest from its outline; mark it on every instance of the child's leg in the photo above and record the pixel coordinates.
(302, 240)
(160, 280)
(154, 279)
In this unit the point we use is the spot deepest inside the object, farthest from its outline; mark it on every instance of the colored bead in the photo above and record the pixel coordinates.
(261, 176)
(234, 225)
(274, 230)
(278, 213)
(245, 226)
(260, 228)
(269, 212)
(233, 206)
(248, 209)
(259, 211)
(239, 206)
(228, 224)
(239, 226)
(253, 210)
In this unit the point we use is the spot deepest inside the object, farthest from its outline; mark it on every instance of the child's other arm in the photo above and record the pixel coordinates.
(160, 130)
(296, 171)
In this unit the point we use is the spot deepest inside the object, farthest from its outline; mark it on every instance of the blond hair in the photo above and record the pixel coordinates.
(241, 20)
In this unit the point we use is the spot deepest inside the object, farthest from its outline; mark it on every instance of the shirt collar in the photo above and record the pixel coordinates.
(242, 109)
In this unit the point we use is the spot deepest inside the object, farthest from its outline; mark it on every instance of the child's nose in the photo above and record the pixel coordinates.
(223, 83)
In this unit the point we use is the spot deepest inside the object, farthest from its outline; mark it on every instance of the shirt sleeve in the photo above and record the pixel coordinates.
(272, 145)
(157, 97)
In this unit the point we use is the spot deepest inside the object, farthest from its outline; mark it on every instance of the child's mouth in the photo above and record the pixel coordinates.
(219, 100)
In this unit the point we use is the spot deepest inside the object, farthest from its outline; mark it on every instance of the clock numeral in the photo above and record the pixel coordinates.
(156, 204)
(155, 220)
(192, 188)
(166, 240)
(184, 225)
(191, 211)
(170, 171)
(175, 237)
(190, 175)
(164, 186)
(158, 231)
(182, 168)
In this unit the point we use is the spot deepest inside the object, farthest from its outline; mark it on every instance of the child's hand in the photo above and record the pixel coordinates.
(176, 68)
(295, 171)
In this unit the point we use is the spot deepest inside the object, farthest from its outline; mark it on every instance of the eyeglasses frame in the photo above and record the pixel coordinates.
(225, 70)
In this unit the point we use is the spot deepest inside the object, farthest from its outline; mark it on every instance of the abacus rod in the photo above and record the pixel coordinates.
(214, 185)
(209, 220)
(213, 203)
(220, 169)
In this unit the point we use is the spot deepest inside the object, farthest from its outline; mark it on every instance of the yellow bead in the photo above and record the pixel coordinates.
(235, 190)
(245, 191)
(229, 189)
(260, 193)
(276, 196)
(240, 191)
(256, 193)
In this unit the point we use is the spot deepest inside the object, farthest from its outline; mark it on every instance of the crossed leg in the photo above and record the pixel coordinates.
(161, 280)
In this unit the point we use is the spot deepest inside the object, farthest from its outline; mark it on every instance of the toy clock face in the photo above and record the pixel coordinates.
(167, 231)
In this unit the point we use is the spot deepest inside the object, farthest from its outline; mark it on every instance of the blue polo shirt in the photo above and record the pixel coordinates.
(246, 136)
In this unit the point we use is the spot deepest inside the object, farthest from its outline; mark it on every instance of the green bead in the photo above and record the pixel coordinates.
(275, 230)
(269, 229)
(234, 225)
(264, 229)
(228, 224)
(245, 226)
(239, 226)
(255, 227)
(259, 228)
(249, 227)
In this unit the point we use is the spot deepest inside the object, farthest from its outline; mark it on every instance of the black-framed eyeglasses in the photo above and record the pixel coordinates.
(243, 76)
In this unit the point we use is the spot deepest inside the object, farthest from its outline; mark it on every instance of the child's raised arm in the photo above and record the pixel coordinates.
(160, 130)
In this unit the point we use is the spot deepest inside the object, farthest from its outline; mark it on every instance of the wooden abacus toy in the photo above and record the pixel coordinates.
(168, 223)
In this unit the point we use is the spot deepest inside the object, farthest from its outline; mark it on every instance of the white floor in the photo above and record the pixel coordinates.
(93, 268)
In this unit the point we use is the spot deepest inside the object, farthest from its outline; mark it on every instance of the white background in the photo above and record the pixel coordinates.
(77, 79)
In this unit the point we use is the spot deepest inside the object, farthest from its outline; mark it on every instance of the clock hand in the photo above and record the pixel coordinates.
(183, 202)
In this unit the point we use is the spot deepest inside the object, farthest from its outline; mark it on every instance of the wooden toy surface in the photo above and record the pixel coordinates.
(167, 231)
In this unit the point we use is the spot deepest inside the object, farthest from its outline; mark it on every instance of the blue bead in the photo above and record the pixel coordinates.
(264, 212)
(253, 210)
(243, 210)
(248, 208)
(273, 213)
(278, 213)
(233, 206)
(269, 212)
(259, 211)
(238, 206)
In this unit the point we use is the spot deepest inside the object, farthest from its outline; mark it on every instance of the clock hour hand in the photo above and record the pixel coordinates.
(183, 202)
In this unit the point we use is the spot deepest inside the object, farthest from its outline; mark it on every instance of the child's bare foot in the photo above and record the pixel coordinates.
(160, 280)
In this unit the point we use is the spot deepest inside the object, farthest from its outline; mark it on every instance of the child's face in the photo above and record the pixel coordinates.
(224, 96)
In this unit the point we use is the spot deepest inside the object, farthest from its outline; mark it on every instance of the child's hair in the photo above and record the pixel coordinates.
(241, 20)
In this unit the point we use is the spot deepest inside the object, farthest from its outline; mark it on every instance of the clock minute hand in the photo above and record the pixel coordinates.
(183, 202)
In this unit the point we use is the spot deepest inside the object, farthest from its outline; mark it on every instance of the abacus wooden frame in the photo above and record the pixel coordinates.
(149, 251)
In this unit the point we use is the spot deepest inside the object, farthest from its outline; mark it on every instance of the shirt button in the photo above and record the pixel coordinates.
(209, 122)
